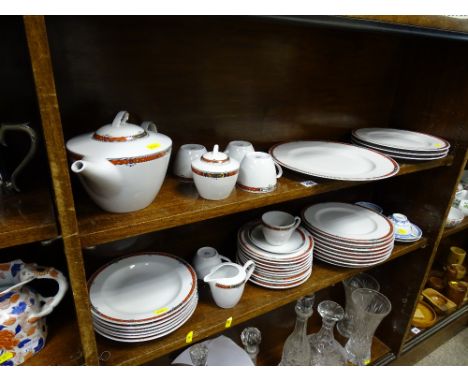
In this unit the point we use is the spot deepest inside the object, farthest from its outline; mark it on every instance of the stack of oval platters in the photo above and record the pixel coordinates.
(349, 235)
(402, 144)
(276, 266)
(334, 160)
(142, 297)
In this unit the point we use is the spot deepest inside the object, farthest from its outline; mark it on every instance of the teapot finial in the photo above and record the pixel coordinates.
(215, 150)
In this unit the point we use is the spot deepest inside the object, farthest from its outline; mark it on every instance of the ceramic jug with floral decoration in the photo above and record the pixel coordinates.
(23, 328)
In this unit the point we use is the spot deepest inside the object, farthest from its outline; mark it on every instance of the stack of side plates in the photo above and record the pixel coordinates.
(276, 266)
(142, 297)
(349, 235)
(402, 144)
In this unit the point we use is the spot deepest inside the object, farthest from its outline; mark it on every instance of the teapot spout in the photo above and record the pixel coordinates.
(99, 175)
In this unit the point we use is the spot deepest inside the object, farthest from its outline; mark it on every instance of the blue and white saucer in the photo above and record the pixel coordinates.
(405, 231)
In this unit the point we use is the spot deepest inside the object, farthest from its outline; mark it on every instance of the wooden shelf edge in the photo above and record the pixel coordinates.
(210, 320)
(101, 227)
(458, 228)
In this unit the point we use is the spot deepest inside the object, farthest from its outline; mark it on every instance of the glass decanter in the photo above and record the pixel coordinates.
(251, 338)
(325, 350)
(370, 309)
(199, 354)
(362, 280)
(296, 349)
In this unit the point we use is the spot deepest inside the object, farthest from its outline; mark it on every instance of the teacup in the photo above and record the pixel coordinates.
(238, 149)
(278, 226)
(206, 259)
(461, 201)
(258, 173)
(455, 272)
(227, 282)
(185, 156)
(401, 223)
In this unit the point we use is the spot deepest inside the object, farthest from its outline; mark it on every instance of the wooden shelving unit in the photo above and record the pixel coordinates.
(261, 79)
(208, 319)
(27, 217)
(179, 204)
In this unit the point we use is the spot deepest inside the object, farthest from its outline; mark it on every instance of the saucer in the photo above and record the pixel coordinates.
(295, 242)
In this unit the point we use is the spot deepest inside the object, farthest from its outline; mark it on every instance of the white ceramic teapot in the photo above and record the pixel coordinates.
(122, 166)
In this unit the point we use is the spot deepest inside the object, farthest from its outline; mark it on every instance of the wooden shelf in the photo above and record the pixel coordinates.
(458, 228)
(26, 217)
(208, 319)
(63, 347)
(178, 204)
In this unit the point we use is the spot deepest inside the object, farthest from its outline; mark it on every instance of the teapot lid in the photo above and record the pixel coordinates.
(120, 130)
(121, 140)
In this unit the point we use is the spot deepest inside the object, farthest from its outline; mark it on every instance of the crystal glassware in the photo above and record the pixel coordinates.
(370, 308)
(296, 349)
(199, 354)
(325, 350)
(362, 280)
(251, 338)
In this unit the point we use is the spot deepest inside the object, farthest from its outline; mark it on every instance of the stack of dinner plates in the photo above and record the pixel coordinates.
(349, 235)
(276, 266)
(142, 297)
(402, 144)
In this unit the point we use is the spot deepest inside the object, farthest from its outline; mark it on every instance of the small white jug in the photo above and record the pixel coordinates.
(227, 282)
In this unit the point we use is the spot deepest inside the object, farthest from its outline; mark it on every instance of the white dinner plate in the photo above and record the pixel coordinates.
(354, 255)
(295, 243)
(130, 332)
(146, 338)
(350, 264)
(334, 160)
(140, 287)
(348, 221)
(275, 267)
(401, 139)
(350, 248)
(271, 285)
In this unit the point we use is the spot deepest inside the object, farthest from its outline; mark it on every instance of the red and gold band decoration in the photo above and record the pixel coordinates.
(215, 174)
(104, 138)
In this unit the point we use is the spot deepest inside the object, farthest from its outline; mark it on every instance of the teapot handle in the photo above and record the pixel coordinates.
(32, 149)
(149, 126)
(120, 118)
(49, 302)
(249, 267)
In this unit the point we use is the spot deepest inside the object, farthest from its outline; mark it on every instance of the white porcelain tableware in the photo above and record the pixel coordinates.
(454, 217)
(349, 223)
(258, 173)
(278, 226)
(227, 282)
(141, 287)
(215, 174)
(185, 156)
(206, 259)
(295, 242)
(401, 139)
(461, 201)
(238, 149)
(334, 160)
(121, 166)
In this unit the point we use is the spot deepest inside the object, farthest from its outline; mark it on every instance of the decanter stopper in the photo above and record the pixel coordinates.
(251, 338)
(199, 354)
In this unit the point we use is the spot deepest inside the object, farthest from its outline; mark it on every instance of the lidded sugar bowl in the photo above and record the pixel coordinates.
(215, 174)
(121, 165)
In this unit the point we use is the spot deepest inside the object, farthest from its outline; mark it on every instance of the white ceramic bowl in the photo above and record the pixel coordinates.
(454, 217)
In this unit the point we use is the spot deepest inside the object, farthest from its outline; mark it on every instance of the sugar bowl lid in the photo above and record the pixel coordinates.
(120, 139)
(215, 161)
